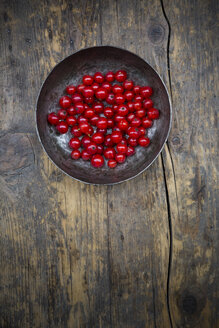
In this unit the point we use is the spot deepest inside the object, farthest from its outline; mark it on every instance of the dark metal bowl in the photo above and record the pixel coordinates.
(70, 71)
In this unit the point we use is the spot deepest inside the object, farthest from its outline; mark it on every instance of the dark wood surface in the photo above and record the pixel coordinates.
(140, 254)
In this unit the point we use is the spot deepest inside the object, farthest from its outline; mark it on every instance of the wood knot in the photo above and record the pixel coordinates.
(156, 33)
(176, 140)
(189, 304)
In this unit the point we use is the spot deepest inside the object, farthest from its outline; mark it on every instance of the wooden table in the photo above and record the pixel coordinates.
(143, 253)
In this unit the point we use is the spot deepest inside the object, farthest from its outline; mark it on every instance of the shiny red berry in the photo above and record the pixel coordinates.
(131, 107)
(148, 103)
(142, 131)
(110, 77)
(102, 123)
(137, 89)
(98, 77)
(120, 158)
(107, 86)
(144, 141)
(130, 151)
(75, 143)
(89, 113)
(75, 130)
(108, 112)
(108, 141)
(121, 148)
(75, 154)
(103, 131)
(85, 155)
(62, 114)
(92, 148)
(133, 132)
(112, 163)
(76, 98)
(70, 89)
(117, 89)
(98, 107)
(65, 102)
(138, 98)
(88, 92)
(119, 99)
(128, 84)
(130, 117)
(79, 107)
(97, 160)
(146, 122)
(71, 110)
(98, 138)
(110, 123)
(137, 105)
(136, 122)
(116, 137)
(84, 127)
(100, 149)
(132, 142)
(153, 113)
(118, 118)
(85, 141)
(71, 120)
(141, 113)
(82, 119)
(80, 88)
(109, 153)
(101, 93)
(123, 110)
(123, 125)
(146, 92)
(129, 95)
(121, 75)
(95, 86)
(87, 80)
(110, 99)
(53, 119)
(94, 120)
(62, 127)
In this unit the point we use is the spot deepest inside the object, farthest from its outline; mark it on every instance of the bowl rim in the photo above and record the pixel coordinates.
(168, 132)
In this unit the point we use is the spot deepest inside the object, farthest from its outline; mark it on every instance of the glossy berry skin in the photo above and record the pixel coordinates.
(71, 120)
(86, 106)
(97, 160)
(133, 132)
(85, 141)
(101, 93)
(137, 89)
(89, 113)
(146, 123)
(120, 158)
(98, 107)
(146, 92)
(110, 99)
(107, 86)
(71, 111)
(100, 149)
(53, 119)
(76, 98)
(79, 107)
(103, 131)
(110, 123)
(119, 99)
(129, 95)
(153, 113)
(144, 141)
(121, 148)
(75, 143)
(102, 123)
(89, 100)
(62, 127)
(142, 131)
(138, 98)
(80, 88)
(118, 118)
(141, 113)
(130, 151)
(85, 155)
(84, 127)
(123, 125)
(122, 110)
(94, 120)
(148, 103)
(108, 141)
(98, 77)
(116, 137)
(75, 154)
(121, 75)
(75, 130)
(108, 112)
(87, 79)
(131, 107)
(117, 89)
(70, 89)
(65, 102)
(90, 131)
(98, 138)
(62, 114)
(110, 77)
(112, 163)
(88, 92)
(109, 153)
(130, 117)
(95, 86)
(92, 148)
(136, 122)
(128, 84)
(82, 119)
(137, 105)
(115, 108)
(133, 142)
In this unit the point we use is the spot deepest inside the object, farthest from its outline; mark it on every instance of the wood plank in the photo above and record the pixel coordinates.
(191, 163)
(137, 209)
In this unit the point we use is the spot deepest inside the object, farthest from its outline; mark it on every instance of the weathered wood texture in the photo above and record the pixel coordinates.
(139, 254)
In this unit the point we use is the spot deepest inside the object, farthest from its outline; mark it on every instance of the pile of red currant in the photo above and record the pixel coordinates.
(108, 116)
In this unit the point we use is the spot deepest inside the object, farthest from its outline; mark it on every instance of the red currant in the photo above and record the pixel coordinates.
(146, 92)
(130, 117)
(94, 120)
(129, 95)
(95, 86)
(131, 106)
(109, 153)
(87, 80)
(136, 122)
(123, 125)
(65, 102)
(130, 151)
(110, 123)
(76, 98)
(80, 88)
(117, 89)
(102, 123)
(148, 103)
(97, 160)
(119, 99)
(53, 119)
(100, 149)
(112, 163)
(121, 75)
(85, 141)
(62, 127)
(75, 154)
(121, 148)
(84, 127)
(142, 131)
(98, 138)
(88, 92)
(133, 142)
(98, 107)
(89, 113)
(144, 141)
(92, 148)
(137, 105)
(141, 113)
(120, 158)
(128, 84)
(71, 110)
(89, 100)
(123, 110)
(75, 130)
(116, 137)
(62, 114)
(133, 132)
(71, 120)
(146, 122)
(153, 113)
(79, 107)
(110, 77)
(107, 86)
(108, 112)
(108, 141)
(118, 118)
(101, 93)
(110, 99)
(82, 119)
(137, 89)
(103, 131)
(98, 77)
(70, 89)
(75, 143)
(85, 155)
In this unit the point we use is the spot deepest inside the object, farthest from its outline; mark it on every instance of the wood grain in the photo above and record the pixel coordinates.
(139, 254)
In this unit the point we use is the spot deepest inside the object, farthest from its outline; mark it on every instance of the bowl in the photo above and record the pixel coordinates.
(70, 71)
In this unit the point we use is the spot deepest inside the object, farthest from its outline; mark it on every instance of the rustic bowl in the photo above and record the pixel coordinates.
(70, 71)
